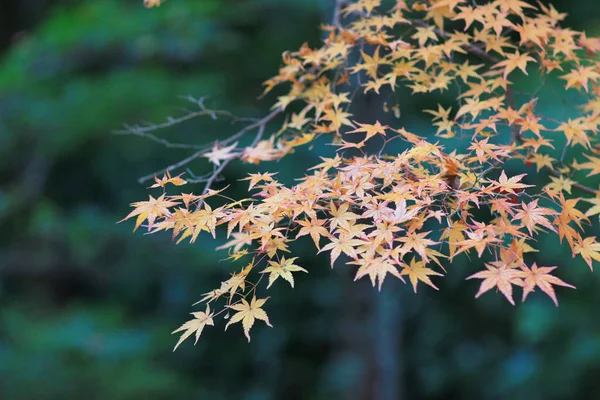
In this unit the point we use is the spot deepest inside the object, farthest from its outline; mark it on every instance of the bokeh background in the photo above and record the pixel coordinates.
(87, 306)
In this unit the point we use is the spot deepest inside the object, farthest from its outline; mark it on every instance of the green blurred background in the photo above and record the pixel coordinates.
(87, 307)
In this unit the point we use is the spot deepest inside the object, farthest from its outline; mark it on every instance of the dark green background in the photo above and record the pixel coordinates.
(87, 307)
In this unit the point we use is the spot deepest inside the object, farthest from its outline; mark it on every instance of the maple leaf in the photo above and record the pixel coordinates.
(469, 15)
(402, 213)
(340, 216)
(593, 165)
(540, 277)
(152, 3)
(196, 325)
(377, 269)
(370, 130)
(515, 60)
(314, 228)
(454, 236)
(424, 34)
(218, 154)
(500, 277)
(560, 184)
(515, 6)
(370, 63)
(531, 215)
(150, 210)
(589, 249)
(580, 77)
(258, 177)
(595, 209)
(248, 313)
(342, 244)
(263, 151)
(177, 180)
(417, 271)
(509, 184)
(417, 242)
(283, 268)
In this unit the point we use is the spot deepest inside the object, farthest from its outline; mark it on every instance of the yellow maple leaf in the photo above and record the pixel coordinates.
(196, 325)
(219, 154)
(248, 313)
(515, 60)
(282, 268)
(150, 210)
(417, 271)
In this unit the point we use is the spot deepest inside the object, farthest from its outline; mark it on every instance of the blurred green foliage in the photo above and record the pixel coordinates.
(87, 307)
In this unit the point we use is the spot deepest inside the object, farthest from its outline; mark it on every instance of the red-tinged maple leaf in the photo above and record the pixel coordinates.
(417, 242)
(248, 313)
(402, 213)
(541, 277)
(509, 185)
(532, 215)
(150, 210)
(485, 150)
(499, 277)
(570, 213)
(478, 240)
(417, 271)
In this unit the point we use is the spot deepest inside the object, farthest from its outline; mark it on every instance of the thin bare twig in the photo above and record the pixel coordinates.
(217, 172)
(170, 168)
(140, 130)
(261, 123)
(337, 13)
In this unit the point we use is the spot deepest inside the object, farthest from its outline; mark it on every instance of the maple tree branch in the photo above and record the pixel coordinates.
(135, 131)
(171, 167)
(260, 124)
(337, 13)
(213, 177)
(142, 130)
(516, 134)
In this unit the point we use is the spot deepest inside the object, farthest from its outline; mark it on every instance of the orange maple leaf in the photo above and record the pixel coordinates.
(540, 277)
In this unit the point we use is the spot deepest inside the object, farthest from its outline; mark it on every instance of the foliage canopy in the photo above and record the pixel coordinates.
(396, 211)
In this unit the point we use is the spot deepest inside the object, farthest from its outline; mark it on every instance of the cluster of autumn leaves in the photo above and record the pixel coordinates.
(403, 214)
